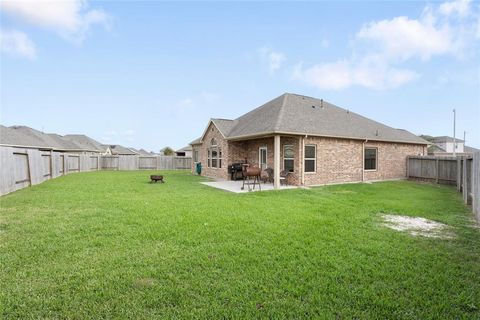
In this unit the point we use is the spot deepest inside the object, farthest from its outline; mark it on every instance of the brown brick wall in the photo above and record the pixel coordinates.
(392, 160)
(341, 160)
(212, 132)
(338, 160)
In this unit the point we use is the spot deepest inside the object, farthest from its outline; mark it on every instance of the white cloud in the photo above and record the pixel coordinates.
(459, 7)
(381, 47)
(70, 18)
(370, 72)
(404, 38)
(17, 43)
(273, 59)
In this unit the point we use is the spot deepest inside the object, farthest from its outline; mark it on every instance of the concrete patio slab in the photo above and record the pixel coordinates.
(236, 186)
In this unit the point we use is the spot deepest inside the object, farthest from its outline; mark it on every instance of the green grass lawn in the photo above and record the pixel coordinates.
(111, 245)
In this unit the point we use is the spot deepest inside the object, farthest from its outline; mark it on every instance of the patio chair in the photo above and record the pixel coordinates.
(267, 175)
(284, 177)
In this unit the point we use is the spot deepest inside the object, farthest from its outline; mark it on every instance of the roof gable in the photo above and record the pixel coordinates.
(224, 126)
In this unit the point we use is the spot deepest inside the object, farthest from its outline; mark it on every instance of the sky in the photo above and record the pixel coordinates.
(149, 74)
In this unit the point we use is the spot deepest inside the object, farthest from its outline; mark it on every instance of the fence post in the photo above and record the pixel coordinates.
(408, 167)
(476, 186)
(29, 165)
(465, 181)
(51, 164)
(459, 174)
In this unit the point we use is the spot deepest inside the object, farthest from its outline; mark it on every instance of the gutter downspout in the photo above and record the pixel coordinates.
(363, 159)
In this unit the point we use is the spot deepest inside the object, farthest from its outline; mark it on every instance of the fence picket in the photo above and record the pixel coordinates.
(24, 167)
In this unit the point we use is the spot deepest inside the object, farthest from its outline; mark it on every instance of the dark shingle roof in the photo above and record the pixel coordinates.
(15, 137)
(85, 142)
(23, 136)
(297, 114)
(224, 125)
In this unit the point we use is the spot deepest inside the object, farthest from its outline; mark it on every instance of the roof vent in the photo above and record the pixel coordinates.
(321, 103)
(376, 133)
(348, 111)
(313, 107)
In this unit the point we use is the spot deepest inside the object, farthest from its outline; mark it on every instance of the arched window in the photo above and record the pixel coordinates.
(214, 155)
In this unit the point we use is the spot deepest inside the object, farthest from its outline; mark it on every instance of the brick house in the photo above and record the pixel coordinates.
(317, 142)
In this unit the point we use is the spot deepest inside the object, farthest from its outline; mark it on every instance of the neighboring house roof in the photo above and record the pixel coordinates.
(23, 136)
(196, 141)
(144, 152)
(15, 137)
(141, 152)
(302, 115)
(65, 144)
(434, 149)
(445, 139)
(117, 149)
(186, 148)
(468, 149)
(85, 142)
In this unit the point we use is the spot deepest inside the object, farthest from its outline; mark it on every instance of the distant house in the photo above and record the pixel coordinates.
(140, 152)
(116, 150)
(184, 152)
(315, 142)
(26, 137)
(86, 142)
(444, 146)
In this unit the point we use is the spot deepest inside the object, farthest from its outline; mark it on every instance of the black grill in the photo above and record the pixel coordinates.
(235, 170)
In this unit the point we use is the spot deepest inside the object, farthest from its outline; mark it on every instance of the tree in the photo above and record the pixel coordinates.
(167, 151)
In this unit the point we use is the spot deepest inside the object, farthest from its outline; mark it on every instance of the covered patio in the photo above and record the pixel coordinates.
(236, 186)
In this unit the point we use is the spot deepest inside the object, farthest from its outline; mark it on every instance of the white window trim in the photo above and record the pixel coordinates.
(376, 159)
(218, 158)
(283, 156)
(314, 159)
(260, 156)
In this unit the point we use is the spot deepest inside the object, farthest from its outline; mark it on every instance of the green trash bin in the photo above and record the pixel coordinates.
(199, 168)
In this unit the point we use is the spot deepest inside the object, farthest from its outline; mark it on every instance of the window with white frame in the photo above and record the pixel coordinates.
(310, 158)
(288, 158)
(219, 157)
(195, 156)
(370, 161)
(214, 156)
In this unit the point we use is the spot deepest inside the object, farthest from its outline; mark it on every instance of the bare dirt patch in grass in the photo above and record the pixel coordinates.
(418, 226)
(143, 283)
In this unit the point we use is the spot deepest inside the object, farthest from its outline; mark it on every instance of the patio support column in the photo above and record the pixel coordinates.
(276, 162)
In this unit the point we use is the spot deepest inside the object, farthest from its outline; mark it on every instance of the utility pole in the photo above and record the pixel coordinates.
(454, 138)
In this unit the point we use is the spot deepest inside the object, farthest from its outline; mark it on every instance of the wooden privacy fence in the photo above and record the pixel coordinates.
(21, 168)
(461, 171)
